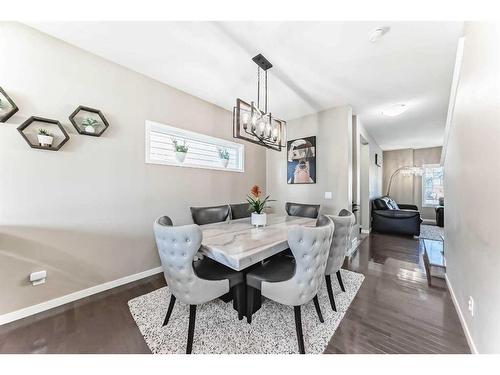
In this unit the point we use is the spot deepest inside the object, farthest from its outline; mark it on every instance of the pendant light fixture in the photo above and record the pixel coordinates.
(255, 125)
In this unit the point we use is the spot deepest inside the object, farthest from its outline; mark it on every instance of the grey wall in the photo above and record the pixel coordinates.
(409, 189)
(332, 129)
(85, 213)
(472, 183)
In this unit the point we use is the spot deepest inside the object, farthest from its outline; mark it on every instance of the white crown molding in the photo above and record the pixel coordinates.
(59, 301)
(468, 336)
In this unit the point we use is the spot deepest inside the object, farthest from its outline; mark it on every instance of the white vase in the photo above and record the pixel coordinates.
(259, 220)
(89, 129)
(224, 162)
(180, 156)
(45, 140)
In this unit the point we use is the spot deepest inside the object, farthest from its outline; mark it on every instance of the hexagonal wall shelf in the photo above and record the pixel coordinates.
(89, 121)
(46, 140)
(7, 106)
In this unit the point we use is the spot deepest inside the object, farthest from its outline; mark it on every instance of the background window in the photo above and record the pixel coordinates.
(203, 151)
(432, 185)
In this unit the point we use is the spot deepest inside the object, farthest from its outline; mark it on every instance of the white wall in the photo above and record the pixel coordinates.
(375, 188)
(472, 183)
(332, 129)
(85, 213)
(370, 186)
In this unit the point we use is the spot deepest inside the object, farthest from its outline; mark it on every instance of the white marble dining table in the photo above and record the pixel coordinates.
(238, 245)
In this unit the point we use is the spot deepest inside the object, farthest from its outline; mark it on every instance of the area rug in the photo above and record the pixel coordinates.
(218, 330)
(431, 232)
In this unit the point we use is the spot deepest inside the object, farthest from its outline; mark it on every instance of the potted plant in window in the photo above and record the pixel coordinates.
(45, 138)
(180, 150)
(224, 156)
(90, 124)
(257, 206)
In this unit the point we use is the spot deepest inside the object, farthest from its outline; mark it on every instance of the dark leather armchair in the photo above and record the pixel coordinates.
(302, 210)
(240, 211)
(209, 215)
(391, 217)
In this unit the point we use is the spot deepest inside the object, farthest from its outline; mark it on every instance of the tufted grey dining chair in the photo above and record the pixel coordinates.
(339, 247)
(192, 283)
(302, 210)
(209, 215)
(294, 281)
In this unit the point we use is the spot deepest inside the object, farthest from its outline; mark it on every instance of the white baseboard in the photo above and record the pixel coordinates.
(468, 336)
(47, 305)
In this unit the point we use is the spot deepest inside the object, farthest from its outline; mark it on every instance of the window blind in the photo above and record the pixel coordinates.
(203, 150)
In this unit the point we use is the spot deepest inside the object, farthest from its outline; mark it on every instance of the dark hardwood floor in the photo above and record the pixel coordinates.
(394, 312)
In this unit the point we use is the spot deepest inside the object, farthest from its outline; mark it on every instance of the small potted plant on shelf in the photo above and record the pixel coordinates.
(45, 138)
(180, 150)
(257, 206)
(89, 125)
(224, 156)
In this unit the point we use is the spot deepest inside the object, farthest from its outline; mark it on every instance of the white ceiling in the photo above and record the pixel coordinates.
(317, 65)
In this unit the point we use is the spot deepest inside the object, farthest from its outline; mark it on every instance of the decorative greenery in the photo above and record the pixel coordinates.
(44, 132)
(223, 154)
(89, 121)
(180, 148)
(256, 204)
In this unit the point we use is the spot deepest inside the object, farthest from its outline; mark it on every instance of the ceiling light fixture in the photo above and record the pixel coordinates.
(395, 110)
(255, 125)
(378, 33)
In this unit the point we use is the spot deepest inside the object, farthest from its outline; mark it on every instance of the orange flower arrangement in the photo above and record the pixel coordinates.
(257, 205)
(255, 190)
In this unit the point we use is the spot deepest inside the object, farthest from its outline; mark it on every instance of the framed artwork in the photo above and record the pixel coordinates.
(301, 161)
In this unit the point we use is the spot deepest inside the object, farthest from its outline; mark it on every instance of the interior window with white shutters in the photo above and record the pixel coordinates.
(203, 151)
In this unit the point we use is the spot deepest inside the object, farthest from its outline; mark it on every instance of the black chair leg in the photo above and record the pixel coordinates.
(330, 292)
(192, 320)
(250, 301)
(298, 327)
(339, 278)
(169, 311)
(318, 309)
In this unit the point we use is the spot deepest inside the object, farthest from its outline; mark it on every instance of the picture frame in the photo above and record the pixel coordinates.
(301, 161)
